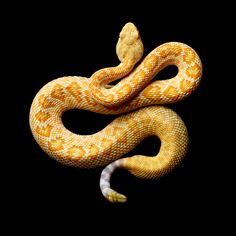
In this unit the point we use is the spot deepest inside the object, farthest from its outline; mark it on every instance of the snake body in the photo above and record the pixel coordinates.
(135, 97)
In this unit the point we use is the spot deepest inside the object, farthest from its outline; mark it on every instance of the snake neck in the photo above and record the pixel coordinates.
(101, 90)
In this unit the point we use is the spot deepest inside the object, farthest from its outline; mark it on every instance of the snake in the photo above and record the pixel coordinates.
(137, 99)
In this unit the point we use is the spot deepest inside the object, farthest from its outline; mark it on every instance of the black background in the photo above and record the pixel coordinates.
(47, 42)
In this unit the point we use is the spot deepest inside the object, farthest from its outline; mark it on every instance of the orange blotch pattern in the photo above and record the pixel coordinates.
(57, 92)
(177, 50)
(42, 116)
(44, 131)
(129, 120)
(150, 62)
(152, 91)
(106, 142)
(138, 77)
(164, 51)
(41, 99)
(167, 50)
(75, 90)
(124, 90)
(73, 151)
(116, 131)
(171, 92)
(194, 71)
(99, 95)
(110, 97)
(135, 79)
(113, 131)
(189, 55)
(93, 149)
(185, 85)
(56, 144)
(108, 131)
(101, 74)
(46, 102)
(142, 74)
(81, 151)
(88, 99)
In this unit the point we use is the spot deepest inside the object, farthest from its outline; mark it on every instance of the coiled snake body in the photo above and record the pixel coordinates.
(136, 96)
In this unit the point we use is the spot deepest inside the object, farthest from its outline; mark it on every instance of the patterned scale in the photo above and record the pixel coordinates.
(136, 96)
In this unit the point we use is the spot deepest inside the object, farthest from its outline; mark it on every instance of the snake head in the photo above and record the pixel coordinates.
(129, 46)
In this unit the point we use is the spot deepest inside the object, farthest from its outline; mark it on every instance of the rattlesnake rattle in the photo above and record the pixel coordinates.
(136, 96)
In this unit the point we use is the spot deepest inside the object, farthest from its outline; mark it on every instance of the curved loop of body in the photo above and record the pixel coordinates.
(135, 96)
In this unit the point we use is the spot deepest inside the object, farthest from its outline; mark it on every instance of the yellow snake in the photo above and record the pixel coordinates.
(135, 95)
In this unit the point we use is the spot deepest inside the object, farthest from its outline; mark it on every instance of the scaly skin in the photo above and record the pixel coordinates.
(135, 96)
